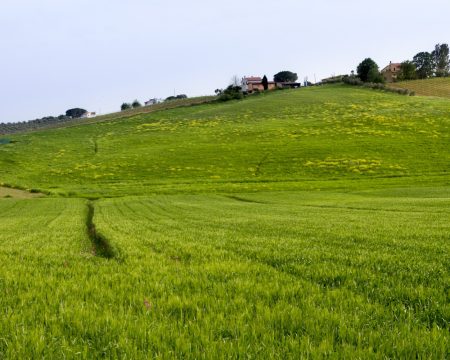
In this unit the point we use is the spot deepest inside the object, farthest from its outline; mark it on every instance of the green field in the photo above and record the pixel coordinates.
(299, 224)
(439, 87)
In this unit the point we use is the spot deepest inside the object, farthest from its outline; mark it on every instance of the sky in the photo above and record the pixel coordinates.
(97, 54)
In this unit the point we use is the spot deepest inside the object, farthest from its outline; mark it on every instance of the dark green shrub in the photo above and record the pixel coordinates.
(125, 106)
(350, 80)
(231, 93)
(136, 104)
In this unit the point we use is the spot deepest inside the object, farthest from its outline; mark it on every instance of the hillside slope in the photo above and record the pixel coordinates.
(309, 138)
(439, 87)
(237, 262)
(53, 123)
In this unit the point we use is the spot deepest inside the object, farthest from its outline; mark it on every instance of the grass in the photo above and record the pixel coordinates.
(260, 276)
(299, 224)
(439, 87)
(304, 139)
(115, 116)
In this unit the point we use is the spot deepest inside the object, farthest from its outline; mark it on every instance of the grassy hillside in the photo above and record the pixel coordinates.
(299, 224)
(312, 138)
(430, 87)
(42, 124)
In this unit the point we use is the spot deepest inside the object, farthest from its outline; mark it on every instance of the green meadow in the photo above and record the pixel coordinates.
(439, 87)
(304, 223)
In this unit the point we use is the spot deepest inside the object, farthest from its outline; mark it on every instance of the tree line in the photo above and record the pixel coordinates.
(46, 121)
(136, 104)
(423, 65)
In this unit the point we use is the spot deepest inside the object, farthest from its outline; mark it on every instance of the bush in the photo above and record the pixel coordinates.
(136, 104)
(351, 80)
(125, 106)
(231, 93)
(177, 97)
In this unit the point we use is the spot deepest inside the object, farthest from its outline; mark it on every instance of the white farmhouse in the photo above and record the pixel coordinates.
(88, 115)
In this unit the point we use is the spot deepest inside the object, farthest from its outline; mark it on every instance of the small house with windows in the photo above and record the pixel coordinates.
(391, 72)
(251, 84)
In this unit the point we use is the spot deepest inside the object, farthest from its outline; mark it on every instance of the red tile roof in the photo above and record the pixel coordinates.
(393, 67)
(253, 78)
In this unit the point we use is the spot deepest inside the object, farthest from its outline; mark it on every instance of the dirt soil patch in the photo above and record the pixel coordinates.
(17, 194)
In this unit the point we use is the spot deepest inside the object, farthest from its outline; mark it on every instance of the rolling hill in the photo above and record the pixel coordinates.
(313, 138)
(294, 224)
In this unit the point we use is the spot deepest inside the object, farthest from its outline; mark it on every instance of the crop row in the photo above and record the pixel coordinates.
(282, 275)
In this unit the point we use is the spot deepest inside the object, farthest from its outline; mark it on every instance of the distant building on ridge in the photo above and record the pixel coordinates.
(251, 84)
(390, 73)
(88, 115)
(152, 102)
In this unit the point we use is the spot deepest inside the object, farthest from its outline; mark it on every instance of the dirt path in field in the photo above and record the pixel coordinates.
(17, 194)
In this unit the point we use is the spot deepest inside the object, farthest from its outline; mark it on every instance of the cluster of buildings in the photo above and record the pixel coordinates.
(251, 84)
(390, 74)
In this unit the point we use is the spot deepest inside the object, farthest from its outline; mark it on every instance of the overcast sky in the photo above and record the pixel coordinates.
(96, 54)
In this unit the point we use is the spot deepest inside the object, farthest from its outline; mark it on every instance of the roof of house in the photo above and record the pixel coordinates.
(253, 79)
(393, 67)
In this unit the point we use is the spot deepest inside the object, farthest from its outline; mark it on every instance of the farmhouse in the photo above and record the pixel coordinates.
(88, 115)
(152, 102)
(254, 83)
(391, 72)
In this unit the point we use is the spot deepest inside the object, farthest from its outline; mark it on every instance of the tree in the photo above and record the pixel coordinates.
(75, 113)
(424, 65)
(177, 97)
(265, 83)
(407, 71)
(368, 71)
(136, 104)
(374, 76)
(125, 106)
(285, 76)
(441, 60)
